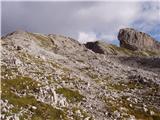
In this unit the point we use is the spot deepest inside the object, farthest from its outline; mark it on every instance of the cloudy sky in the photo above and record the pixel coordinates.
(85, 21)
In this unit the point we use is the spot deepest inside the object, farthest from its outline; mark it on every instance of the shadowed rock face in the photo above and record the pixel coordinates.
(134, 40)
(94, 46)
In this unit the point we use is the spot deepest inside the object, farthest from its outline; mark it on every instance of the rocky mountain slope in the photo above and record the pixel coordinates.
(53, 77)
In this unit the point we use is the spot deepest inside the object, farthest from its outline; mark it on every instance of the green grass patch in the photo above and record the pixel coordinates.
(20, 83)
(8, 71)
(125, 86)
(72, 96)
(136, 109)
(47, 112)
(115, 50)
(118, 86)
(120, 50)
(43, 111)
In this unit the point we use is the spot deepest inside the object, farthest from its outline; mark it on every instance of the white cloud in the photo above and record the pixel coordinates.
(149, 16)
(86, 37)
(109, 38)
(85, 21)
(107, 18)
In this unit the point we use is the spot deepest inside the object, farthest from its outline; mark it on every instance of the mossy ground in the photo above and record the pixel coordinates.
(8, 71)
(146, 94)
(19, 84)
(116, 50)
(72, 96)
(122, 86)
(43, 111)
(127, 108)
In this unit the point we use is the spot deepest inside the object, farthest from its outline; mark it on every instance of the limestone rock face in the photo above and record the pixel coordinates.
(134, 40)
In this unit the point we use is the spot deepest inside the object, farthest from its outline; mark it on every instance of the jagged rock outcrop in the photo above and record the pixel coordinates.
(134, 40)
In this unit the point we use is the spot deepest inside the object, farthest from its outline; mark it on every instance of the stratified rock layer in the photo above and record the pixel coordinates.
(134, 40)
